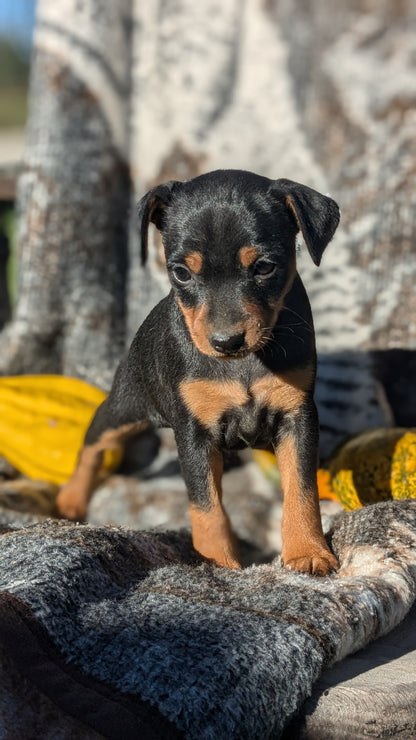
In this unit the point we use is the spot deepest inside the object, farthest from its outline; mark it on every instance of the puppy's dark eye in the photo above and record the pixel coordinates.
(264, 269)
(181, 274)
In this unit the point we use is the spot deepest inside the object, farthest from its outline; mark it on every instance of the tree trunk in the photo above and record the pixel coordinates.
(73, 196)
(353, 68)
(309, 91)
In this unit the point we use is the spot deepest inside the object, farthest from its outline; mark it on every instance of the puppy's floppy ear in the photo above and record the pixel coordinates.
(151, 208)
(317, 216)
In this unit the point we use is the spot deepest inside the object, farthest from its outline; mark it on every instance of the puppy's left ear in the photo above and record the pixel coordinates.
(151, 208)
(317, 216)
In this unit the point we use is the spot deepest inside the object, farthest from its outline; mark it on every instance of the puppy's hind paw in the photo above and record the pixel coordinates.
(70, 505)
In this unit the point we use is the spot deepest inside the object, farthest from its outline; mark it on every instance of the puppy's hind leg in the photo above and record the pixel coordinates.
(104, 433)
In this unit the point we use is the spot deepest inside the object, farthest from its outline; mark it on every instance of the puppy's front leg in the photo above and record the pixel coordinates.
(304, 546)
(212, 536)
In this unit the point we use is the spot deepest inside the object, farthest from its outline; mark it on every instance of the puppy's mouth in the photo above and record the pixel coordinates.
(232, 355)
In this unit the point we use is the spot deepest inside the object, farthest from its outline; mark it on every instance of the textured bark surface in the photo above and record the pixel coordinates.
(73, 198)
(314, 92)
(353, 67)
(354, 85)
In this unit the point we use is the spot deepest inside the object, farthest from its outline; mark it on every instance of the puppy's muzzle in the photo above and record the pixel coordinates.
(228, 344)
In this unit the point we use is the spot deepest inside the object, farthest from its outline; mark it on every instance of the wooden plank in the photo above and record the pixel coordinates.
(369, 694)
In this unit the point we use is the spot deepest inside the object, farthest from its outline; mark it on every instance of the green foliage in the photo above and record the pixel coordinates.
(14, 75)
(14, 67)
(13, 107)
(7, 224)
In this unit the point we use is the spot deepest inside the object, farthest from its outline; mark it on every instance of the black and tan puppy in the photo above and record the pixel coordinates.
(227, 359)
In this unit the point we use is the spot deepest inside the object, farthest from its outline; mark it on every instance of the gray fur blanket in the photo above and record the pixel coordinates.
(129, 634)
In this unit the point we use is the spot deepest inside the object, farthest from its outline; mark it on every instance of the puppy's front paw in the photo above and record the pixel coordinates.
(318, 563)
(220, 553)
(227, 559)
(213, 537)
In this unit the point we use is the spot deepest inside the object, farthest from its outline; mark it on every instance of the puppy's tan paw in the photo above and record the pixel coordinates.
(70, 505)
(220, 554)
(317, 563)
(228, 560)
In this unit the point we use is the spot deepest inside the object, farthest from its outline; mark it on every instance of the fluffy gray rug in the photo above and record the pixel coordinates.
(129, 634)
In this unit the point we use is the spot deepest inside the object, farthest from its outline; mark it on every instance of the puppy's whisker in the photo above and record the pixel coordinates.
(302, 320)
(289, 328)
(296, 336)
(273, 341)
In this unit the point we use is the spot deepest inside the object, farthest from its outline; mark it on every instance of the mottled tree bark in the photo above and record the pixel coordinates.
(315, 92)
(73, 196)
(353, 66)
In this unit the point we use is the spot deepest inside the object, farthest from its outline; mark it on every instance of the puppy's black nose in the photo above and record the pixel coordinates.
(226, 344)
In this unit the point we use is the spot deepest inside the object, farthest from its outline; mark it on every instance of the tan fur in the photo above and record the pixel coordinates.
(212, 536)
(196, 321)
(290, 203)
(304, 547)
(194, 262)
(248, 255)
(285, 392)
(208, 400)
(73, 498)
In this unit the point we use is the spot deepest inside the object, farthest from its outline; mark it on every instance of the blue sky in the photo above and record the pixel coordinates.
(16, 19)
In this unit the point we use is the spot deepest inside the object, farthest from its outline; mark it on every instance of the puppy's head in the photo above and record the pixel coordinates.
(229, 239)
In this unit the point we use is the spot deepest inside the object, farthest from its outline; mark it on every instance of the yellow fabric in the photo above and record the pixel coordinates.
(43, 420)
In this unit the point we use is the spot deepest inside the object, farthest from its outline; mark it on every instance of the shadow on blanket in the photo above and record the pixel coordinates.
(118, 633)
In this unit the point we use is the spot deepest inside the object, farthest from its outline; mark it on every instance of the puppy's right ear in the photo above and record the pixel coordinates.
(151, 208)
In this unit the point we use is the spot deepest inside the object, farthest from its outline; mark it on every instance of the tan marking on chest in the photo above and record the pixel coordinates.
(285, 392)
(248, 255)
(194, 262)
(208, 400)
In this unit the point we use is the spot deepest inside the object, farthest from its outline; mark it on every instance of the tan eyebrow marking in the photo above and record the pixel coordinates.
(194, 262)
(248, 255)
